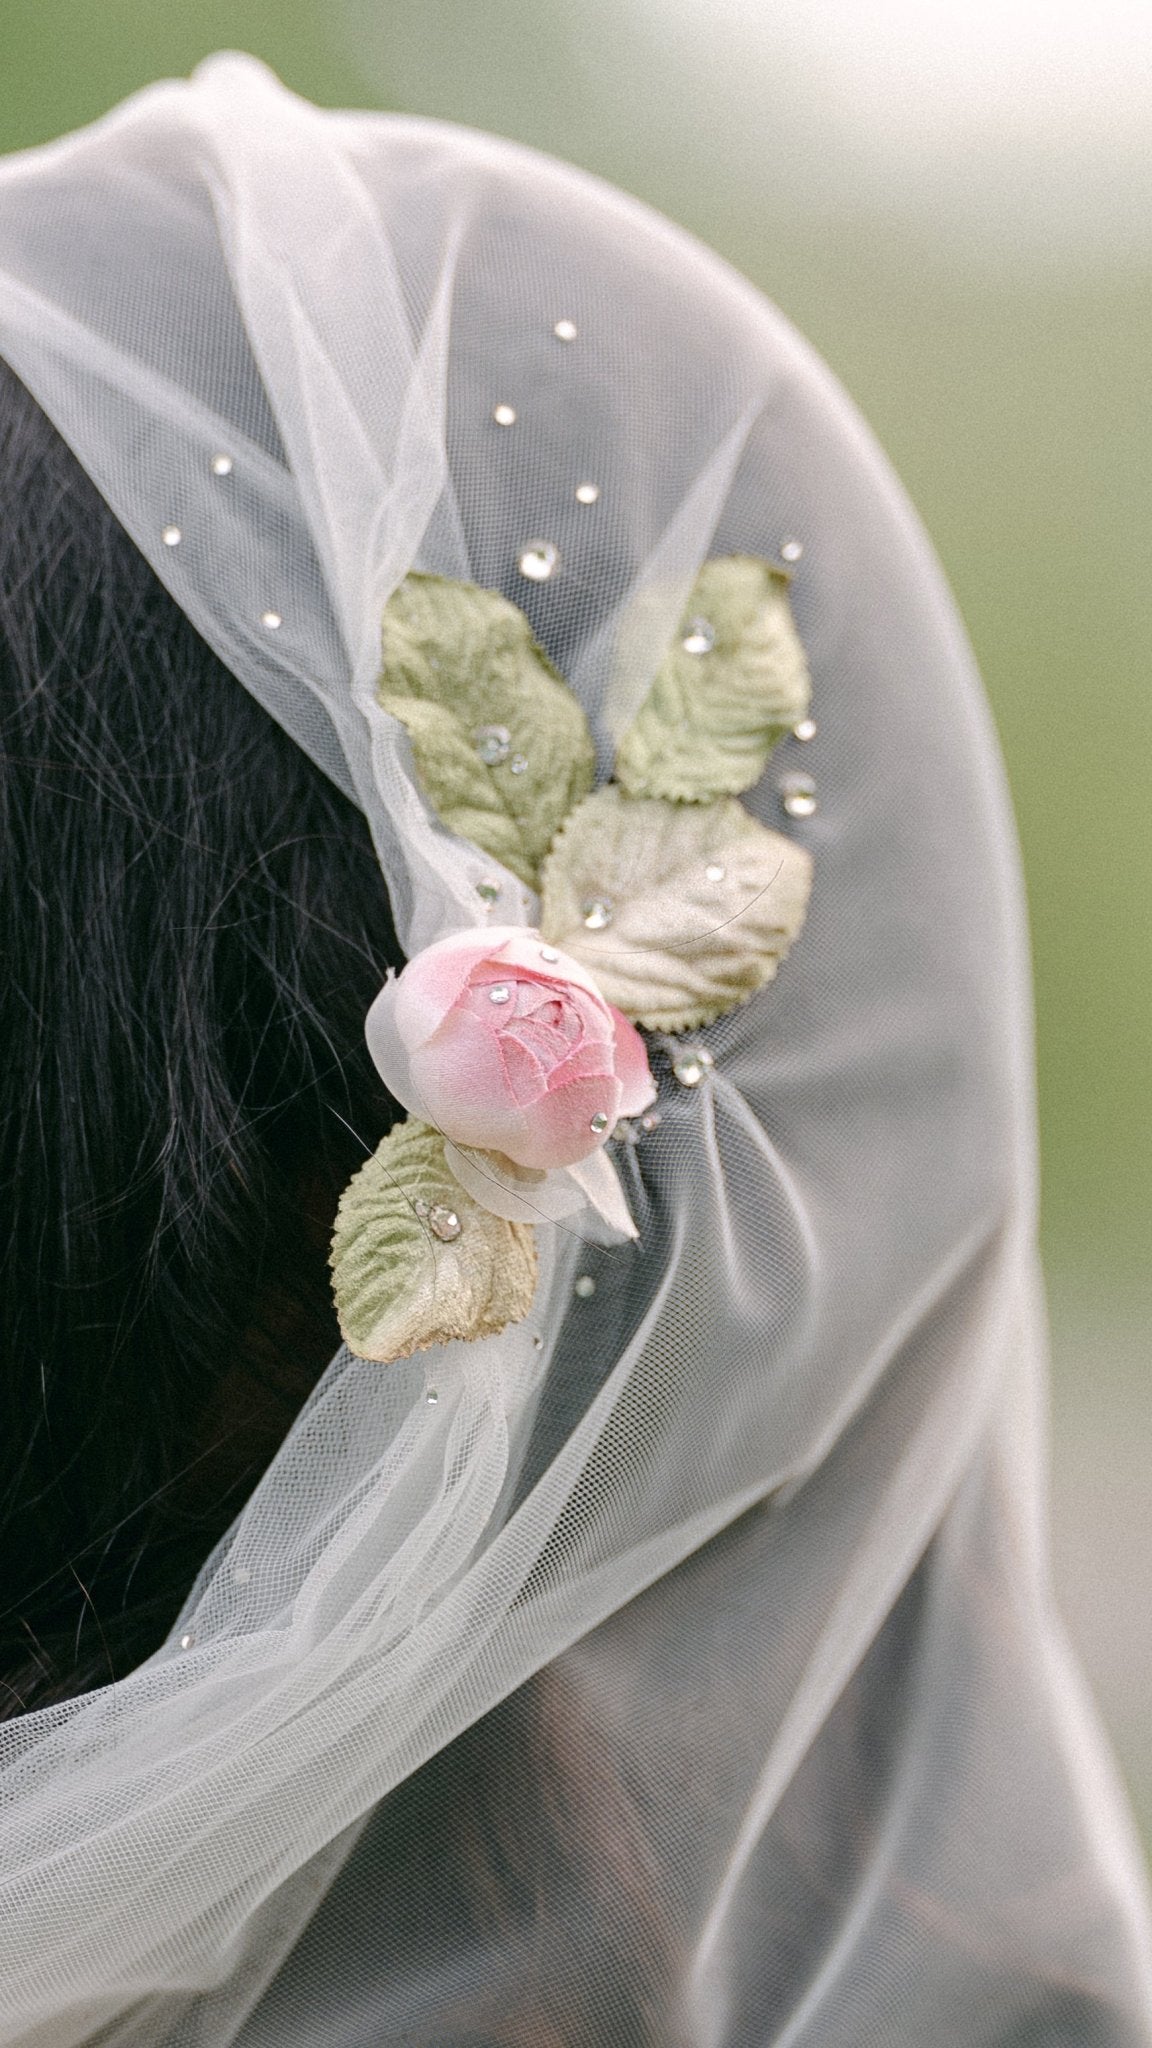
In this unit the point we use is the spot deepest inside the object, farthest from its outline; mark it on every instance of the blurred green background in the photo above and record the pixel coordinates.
(954, 202)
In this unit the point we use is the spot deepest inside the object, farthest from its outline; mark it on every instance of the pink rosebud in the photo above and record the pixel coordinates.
(507, 1045)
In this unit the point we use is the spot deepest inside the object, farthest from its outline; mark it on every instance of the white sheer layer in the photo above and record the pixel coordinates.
(764, 1511)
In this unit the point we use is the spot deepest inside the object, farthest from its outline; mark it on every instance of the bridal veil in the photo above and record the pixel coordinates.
(764, 1486)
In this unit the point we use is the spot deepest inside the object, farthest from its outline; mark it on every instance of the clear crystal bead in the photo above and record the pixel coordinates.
(693, 1066)
(806, 730)
(651, 1121)
(715, 871)
(539, 559)
(798, 795)
(221, 465)
(504, 415)
(549, 953)
(488, 891)
(587, 494)
(792, 550)
(443, 1222)
(599, 1122)
(700, 637)
(493, 743)
(272, 620)
(432, 1397)
(499, 993)
(518, 763)
(565, 330)
(584, 1286)
(171, 536)
(186, 1641)
(597, 914)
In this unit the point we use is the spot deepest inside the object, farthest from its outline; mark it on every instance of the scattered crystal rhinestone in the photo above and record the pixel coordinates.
(241, 1575)
(597, 914)
(599, 1122)
(791, 550)
(518, 764)
(715, 871)
(806, 730)
(171, 536)
(499, 992)
(443, 1222)
(584, 1287)
(651, 1121)
(537, 1342)
(504, 415)
(539, 559)
(549, 953)
(272, 620)
(187, 1641)
(493, 743)
(700, 637)
(488, 891)
(432, 1397)
(565, 330)
(693, 1066)
(798, 795)
(221, 465)
(587, 494)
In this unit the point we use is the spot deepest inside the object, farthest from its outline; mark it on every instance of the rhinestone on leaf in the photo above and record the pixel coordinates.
(597, 914)
(493, 743)
(518, 764)
(499, 993)
(171, 536)
(549, 953)
(806, 730)
(584, 1287)
(700, 637)
(272, 620)
(792, 550)
(539, 560)
(504, 415)
(798, 795)
(715, 871)
(587, 494)
(221, 465)
(599, 1122)
(488, 891)
(443, 1222)
(693, 1066)
(565, 330)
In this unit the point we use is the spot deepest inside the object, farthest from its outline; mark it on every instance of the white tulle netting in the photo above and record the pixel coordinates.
(763, 1512)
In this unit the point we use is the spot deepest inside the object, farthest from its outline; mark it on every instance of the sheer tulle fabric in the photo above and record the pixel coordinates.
(770, 1497)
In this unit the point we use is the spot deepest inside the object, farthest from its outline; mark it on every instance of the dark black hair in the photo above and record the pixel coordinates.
(193, 924)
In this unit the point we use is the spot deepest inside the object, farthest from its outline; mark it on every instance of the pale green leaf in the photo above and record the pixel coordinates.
(704, 902)
(711, 718)
(458, 659)
(398, 1286)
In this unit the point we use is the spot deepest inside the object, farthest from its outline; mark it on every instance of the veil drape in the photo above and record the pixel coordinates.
(767, 1498)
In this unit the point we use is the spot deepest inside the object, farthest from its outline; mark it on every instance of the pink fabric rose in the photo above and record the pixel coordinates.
(506, 1044)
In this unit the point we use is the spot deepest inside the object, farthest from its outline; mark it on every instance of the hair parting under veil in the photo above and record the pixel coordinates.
(716, 1588)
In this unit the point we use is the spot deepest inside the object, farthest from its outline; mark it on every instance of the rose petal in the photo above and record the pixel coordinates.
(389, 1053)
(638, 1088)
(461, 1074)
(558, 1128)
(600, 1183)
(434, 980)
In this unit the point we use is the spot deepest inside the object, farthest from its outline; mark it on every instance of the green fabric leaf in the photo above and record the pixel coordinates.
(711, 718)
(703, 903)
(398, 1286)
(457, 660)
